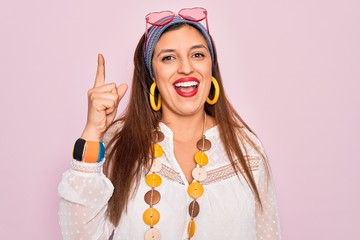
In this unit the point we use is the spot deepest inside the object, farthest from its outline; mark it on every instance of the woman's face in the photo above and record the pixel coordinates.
(182, 70)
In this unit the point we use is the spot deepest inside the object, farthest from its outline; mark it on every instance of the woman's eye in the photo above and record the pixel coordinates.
(167, 58)
(198, 55)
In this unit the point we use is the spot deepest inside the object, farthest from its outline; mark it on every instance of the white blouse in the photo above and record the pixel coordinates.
(227, 208)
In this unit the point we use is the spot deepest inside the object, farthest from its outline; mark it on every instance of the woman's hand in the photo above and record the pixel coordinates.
(103, 101)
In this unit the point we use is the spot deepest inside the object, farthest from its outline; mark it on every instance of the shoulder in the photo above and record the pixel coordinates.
(251, 143)
(252, 136)
(255, 150)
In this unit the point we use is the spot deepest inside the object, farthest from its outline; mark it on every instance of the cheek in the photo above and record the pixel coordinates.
(205, 68)
(208, 85)
(163, 72)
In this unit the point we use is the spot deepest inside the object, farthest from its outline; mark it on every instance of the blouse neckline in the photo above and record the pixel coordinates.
(213, 131)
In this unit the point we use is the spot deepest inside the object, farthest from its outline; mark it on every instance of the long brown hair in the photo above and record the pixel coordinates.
(130, 146)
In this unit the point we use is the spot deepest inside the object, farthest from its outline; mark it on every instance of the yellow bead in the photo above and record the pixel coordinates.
(151, 216)
(153, 180)
(195, 190)
(201, 158)
(158, 151)
(191, 228)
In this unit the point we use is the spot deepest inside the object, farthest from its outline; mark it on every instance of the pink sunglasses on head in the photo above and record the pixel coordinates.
(195, 14)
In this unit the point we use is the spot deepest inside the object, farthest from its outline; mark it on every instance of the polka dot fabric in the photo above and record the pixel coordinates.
(228, 208)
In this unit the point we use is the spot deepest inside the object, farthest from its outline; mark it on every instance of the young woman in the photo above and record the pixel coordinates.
(180, 162)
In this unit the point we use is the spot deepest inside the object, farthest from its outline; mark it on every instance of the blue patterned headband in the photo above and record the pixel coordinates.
(154, 34)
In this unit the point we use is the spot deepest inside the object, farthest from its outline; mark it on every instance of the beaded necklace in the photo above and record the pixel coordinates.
(151, 215)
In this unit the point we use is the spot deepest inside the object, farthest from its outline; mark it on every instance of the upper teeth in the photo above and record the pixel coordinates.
(186, 84)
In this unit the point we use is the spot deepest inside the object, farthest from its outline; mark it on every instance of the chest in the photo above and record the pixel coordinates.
(227, 211)
(184, 155)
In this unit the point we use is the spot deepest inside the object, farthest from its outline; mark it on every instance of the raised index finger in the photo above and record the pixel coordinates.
(100, 72)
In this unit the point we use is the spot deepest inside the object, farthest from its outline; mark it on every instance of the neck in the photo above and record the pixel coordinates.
(186, 128)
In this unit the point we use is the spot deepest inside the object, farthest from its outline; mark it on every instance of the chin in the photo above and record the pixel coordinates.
(189, 111)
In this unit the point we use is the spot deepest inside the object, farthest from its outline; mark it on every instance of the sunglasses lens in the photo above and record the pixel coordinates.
(193, 14)
(159, 18)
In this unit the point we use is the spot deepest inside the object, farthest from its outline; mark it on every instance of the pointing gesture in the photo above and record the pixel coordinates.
(100, 72)
(103, 101)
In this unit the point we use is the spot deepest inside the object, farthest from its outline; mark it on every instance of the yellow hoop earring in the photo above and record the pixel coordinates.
(154, 106)
(217, 92)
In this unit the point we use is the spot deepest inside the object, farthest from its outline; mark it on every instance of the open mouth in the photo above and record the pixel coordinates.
(186, 87)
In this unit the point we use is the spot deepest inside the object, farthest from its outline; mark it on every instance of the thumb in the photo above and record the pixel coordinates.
(122, 90)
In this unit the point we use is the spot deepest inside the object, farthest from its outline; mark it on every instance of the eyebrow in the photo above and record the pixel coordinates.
(173, 50)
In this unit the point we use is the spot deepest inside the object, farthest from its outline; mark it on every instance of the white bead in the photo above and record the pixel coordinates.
(152, 234)
(199, 174)
(156, 166)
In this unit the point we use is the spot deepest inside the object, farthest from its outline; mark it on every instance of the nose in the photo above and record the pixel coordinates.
(185, 66)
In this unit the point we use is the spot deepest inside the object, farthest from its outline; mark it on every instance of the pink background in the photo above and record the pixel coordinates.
(291, 68)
